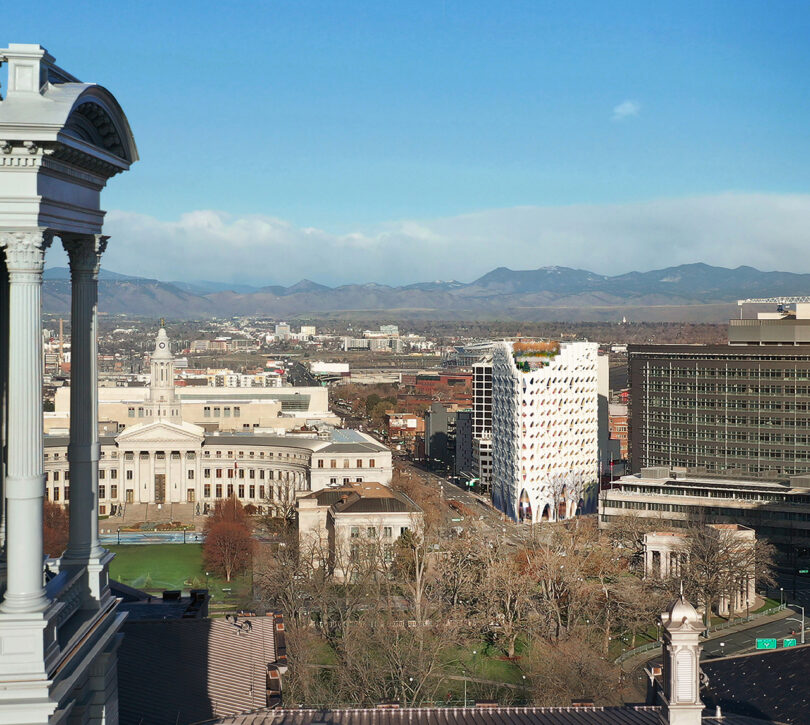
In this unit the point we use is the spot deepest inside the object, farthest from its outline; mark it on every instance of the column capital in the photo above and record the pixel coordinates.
(25, 249)
(84, 251)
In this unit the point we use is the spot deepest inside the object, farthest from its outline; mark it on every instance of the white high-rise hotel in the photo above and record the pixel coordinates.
(545, 427)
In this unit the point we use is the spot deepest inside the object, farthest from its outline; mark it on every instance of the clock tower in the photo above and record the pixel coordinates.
(163, 403)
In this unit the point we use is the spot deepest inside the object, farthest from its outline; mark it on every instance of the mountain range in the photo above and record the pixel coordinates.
(690, 292)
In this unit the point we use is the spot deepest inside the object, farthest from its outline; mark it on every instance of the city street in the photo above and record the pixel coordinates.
(724, 644)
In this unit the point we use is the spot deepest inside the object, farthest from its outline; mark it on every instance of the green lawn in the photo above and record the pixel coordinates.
(156, 567)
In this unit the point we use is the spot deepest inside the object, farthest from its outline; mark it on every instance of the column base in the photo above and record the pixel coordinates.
(28, 647)
(97, 576)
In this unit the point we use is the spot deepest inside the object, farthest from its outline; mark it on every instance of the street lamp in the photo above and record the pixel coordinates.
(119, 535)
(801, 621)
(465, 687)
(525, 696)
(781, 596)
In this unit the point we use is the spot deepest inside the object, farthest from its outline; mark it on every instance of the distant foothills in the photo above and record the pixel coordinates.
(689, 292)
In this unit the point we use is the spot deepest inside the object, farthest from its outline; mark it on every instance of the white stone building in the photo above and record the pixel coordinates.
(545, 430)
(355, 526)
(666, 556)
(168, 462)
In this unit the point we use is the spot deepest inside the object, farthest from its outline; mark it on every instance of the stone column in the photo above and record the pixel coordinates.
(84, 252)
(25, 479)
(3, 401)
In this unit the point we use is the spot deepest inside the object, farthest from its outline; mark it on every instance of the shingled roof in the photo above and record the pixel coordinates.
(770, 684)
(631, 715)
(186, 671)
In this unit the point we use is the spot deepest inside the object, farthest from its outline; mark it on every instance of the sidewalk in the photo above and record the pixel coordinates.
(641, 659)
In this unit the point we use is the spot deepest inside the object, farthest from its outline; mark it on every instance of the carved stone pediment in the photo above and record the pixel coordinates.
(162, 432)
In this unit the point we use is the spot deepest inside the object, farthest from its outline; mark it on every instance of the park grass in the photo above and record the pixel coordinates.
(487, 664)
(157, 567)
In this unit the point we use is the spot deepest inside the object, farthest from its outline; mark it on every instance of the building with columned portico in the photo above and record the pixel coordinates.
(61, 140)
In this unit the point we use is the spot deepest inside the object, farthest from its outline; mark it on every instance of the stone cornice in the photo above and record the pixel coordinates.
(59, 156)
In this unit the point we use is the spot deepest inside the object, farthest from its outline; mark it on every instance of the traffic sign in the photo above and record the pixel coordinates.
(788, 642)
(766, 644)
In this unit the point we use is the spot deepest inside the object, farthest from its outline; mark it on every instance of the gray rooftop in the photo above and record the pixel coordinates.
(630, 715)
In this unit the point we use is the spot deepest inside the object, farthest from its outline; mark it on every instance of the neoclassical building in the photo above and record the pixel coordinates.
(160, 457)
(169, 462)
(61, 140)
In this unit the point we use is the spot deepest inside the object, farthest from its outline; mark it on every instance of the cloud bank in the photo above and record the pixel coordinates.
(768, 231)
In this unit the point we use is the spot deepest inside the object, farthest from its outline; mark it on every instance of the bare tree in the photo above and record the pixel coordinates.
(228, 548)
(717, 559)
(570, 669)
(55, 528)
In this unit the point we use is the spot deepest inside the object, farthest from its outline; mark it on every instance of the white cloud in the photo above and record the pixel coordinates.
(626, 109)
(768, 231)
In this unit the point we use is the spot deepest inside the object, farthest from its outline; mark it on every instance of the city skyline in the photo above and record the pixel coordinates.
(382, 139)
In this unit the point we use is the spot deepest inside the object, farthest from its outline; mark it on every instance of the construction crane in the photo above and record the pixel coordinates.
(774, 301)
(780, 302)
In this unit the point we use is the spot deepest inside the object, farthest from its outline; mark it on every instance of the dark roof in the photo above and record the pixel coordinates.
(191, 670)
(766, 685)
(373, 505)
(63, 441)
(359, 447)
(328, 496)
(470, 716)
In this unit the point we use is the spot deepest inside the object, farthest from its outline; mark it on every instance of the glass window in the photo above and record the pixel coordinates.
(355, 532)
(191, 474)
(129, 475)
(320, 463)
(219, 490)
(114, 491)
(387, 532)
(102, 492)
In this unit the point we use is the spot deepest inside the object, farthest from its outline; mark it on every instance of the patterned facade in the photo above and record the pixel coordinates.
(545, 430)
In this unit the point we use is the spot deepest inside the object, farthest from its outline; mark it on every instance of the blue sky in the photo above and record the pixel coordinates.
(344, 123)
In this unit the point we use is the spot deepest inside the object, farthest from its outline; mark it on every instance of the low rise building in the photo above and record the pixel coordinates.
(778, 510)
(355, 526)
(666, 555)
(243, 403)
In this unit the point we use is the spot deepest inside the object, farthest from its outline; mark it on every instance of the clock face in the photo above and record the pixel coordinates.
(161, 345)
